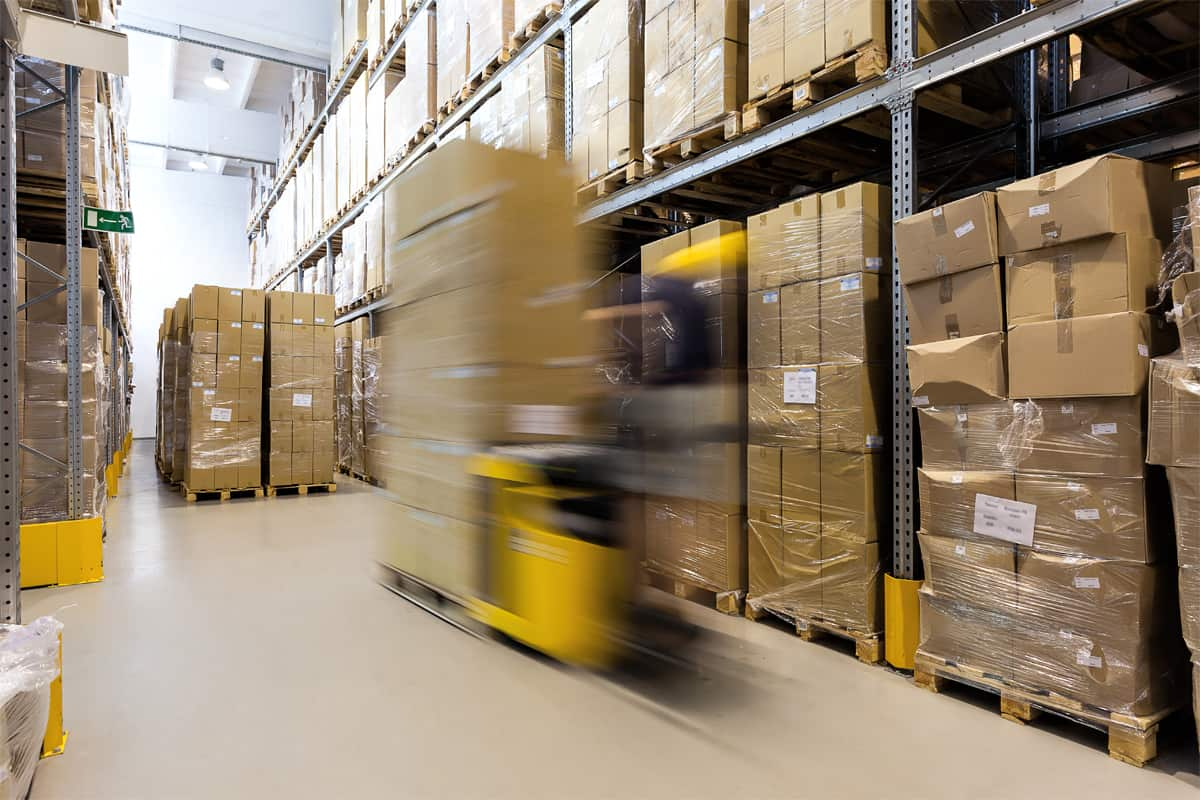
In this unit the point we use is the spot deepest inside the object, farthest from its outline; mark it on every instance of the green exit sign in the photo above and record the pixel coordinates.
(100, 219)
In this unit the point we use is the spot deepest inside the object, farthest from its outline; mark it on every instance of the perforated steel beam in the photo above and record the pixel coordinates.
(10, 482)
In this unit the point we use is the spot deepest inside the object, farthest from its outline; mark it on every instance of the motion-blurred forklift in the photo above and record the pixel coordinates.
(562, 553)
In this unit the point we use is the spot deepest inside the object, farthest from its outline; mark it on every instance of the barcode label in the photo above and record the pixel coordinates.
(1086, 659)
(1087, 514)
(1007, 520)
(221, 415)
(920, 400)
(800, 387)
(964, 229)
(301, 400)
(1103, 428)
(1039, 210)
(770, 297)
(1087, 583)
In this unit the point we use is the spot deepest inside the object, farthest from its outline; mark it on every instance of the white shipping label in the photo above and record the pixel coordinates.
(301, 400)
(874, 263)
(33, 156)
(594, 74)
(800, 386)
(961, 416)
(937, 212)
(297, 320)
(960, 549)
(1040, 210)
(1101, 428)
(1008, 520)
(770, 297)
(236, 292)
(1085, 659)
(1087, 514)
(964, 229)
(874, 441)
(1068, 408)
(209, 392)
(235, 358)
(256, 359)
(319, 320)
(758, 10)
(258, 326)
(197, 384)
(1086, 583)
(920, 400)
(235, 324)
(1143, 351)
(221, 415)
(544, 420)
(851, 284)
(956, 478)
(1074, 487)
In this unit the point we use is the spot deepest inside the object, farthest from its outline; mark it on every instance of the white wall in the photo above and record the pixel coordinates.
(190, 229)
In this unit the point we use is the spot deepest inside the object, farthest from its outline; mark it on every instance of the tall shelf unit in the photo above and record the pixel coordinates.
(896, 128)
(65, 221)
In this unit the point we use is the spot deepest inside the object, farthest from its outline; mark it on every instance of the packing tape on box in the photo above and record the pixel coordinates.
(1064, 290)
(1047, 182)
(939, 222)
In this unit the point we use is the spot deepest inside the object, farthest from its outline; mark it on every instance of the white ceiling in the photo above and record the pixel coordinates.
(171, 106)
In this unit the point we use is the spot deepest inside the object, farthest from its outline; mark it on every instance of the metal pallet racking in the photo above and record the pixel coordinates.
(113, 319)
(1033, 140)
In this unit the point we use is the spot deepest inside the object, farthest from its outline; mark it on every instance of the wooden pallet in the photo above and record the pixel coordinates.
(696, 141)
(357, 475)
(426, 128)
(529, 29)
(868, 647)
(340, 72)
(300, 488)
(192, 495)
(1131, 739)
(607, 184)
(727, 602)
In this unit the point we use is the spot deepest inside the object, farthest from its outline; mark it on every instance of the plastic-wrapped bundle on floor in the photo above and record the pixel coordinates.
(29, 663)
(342, 363)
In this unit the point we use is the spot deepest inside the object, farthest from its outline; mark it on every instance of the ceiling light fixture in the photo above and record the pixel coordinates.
(198, 164)
(215, 79)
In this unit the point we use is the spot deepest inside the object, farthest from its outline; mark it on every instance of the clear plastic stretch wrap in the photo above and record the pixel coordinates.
(1179, 280)
(343, 355)
(1185, 500)
(1174, 427)
(695, 66)
(166, 443)
(29, 663)
(815, 521)
(372, 401)
(183, 385)
(1047, 551)
(527, 113)
(43, 423)
(223, 391)
(414, 101)
(359, 366)
(607, 85)
(299, 383)
(786, 41)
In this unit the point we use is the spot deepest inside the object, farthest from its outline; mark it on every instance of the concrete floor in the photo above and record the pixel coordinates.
(242, 650)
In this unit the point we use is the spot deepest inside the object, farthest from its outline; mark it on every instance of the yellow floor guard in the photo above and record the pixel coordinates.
(62, 553)
(55, 740)
(902, 620)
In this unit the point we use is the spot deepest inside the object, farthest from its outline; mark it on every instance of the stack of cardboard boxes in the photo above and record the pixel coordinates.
(227, 336)
(414, 101)
(42, 374)
(299, 428)
(1174, 439)
(818, 459)
(527, 113)
(1043, 533)
(607, 85)
(168, 352)
(485, 344)
(179, 403)
(470, 34)
(695, 504)
(695, 65)
(42, 122)
(348, 391)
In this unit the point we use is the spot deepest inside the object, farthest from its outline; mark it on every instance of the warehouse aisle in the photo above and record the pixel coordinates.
(241, 650)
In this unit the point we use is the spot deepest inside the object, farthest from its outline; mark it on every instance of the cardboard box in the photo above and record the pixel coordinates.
(763, 329)
(254, 337)
(1105, 194)
(946, 239)
(764, 518)
(1096, 516)
(1174, 424)
(323, 310)
(800, 323)
(783, 407)
(855, 318)
(963, 304)
(1102, 355)
(856, 230)
(967, 437)
(853, 405)
(850, 24)
(801, 491)
(279, 307)
(948, 499)
(229, 370)
(851, 583)
(1091, 436)
(783, 245)
(229, 304)
(229, 337)
(204, 302)
(957, 371)
(855, 496)
(280, 339)
(254, 308)
(966, 634)
(982, 574)
(1185, 296)
(1103, 275)
(204, 336)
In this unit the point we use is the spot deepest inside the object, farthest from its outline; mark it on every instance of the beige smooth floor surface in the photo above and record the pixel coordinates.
(243, 650)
